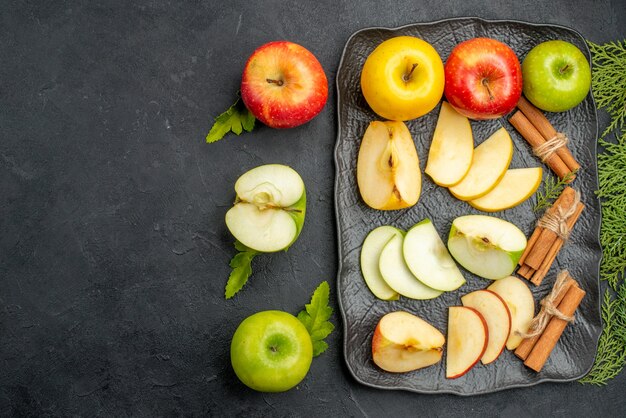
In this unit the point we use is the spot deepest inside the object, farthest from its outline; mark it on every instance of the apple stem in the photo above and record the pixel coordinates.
(277, 82)
(562, 70)
(486, 84)
(407, 77)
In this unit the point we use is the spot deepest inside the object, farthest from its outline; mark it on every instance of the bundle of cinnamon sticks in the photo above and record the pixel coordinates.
(557, 311)
(548, 144)
(549, 236)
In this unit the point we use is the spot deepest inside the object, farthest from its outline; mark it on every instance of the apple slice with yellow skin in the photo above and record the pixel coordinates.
(403, 342)
(497, 317)
(467, 340)
(452, 149)
(517, 185)
(387, 170)
(519, 299)
(490, 162)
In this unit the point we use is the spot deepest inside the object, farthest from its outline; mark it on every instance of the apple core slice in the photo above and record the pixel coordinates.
(370, 255)
(497, 317)
(271, 184)
(403, 342)
(428, 259)
(516, 186)
(266, 230)
(491, 160)
(487, 246)
(452, 148)
(467, 340)
(398, 276)
(521, 304)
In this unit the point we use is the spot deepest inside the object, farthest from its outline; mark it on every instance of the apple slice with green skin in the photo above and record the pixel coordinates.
(486, 246)
(397, 275)
(270, 208)
(467, 340)
(497, 317)
(491, 160)
(370, 255)
(517, 185)
(452, 149)
(387, 169)
(519, 299)
(428, 259)
(403, 342)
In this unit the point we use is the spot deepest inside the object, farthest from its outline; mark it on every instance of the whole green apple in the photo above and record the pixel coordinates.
(271, 351)
(556, 75)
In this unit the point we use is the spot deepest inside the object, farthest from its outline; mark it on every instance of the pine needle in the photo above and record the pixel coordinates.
(551, 190)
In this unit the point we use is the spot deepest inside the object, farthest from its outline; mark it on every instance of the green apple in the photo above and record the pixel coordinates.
(486, 246)
(556, 75)
(370, 255)
(271, 351)
(427, 258)
(270, 207)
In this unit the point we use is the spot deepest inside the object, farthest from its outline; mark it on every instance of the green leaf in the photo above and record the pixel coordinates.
(241, 264)
(315, 318)
(235, 119)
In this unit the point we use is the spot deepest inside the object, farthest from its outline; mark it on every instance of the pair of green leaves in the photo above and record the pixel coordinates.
(236, 119)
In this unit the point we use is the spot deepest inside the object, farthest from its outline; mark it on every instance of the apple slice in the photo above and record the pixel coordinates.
(521, 304)
(497, 317)
(486, 246)
(517, 185)
(491, 159)
(398, 276)
(387, 169)
(370, 254)
(270, 208)
(467, 340)
(452, 148)
(427, 258)
(403, 342)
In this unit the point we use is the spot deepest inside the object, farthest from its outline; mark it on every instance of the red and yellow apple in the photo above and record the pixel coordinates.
(467, 340)
(284, 85)
(483, 78)
(403, 78)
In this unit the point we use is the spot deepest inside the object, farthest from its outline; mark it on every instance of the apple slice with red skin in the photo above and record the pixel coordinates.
(497, 317)
(467, 340)
(403, 342)
(284, 85)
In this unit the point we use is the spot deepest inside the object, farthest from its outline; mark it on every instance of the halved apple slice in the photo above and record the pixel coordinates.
(270, 208)
(403, 342)
(370, 255)
(497, 317)
(521, 304)
(428, 259)
(517, 185)
(387, 169)
(491, 159)
(398, 276)
(487, 246)
(467, 340)
(452, 148)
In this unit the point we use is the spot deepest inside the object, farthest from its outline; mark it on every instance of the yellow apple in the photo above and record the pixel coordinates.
(387, 168)
(452, 148)
(516, 186)
(403, 78)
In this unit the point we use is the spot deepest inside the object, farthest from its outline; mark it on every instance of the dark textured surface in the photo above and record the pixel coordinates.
(573, 357)
(113, 248)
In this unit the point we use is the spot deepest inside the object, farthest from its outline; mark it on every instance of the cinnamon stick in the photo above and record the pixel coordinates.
(529, 246)
(547, 237)
(545, 128)
(523, 350)
(535, 139)
(540, 273)
(546, 343)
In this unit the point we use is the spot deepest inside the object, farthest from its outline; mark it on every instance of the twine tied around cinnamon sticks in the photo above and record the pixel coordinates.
(556, 221)
(552, 145)
(549, 308)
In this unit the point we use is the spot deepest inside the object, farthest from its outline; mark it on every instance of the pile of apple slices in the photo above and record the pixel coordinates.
(489, 320)
(480, 176)
(415, 264)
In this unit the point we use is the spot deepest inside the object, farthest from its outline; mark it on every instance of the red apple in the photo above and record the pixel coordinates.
(483, 78)
(284, 85)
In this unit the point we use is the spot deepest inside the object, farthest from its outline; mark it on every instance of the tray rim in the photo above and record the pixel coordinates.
(336, 210)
